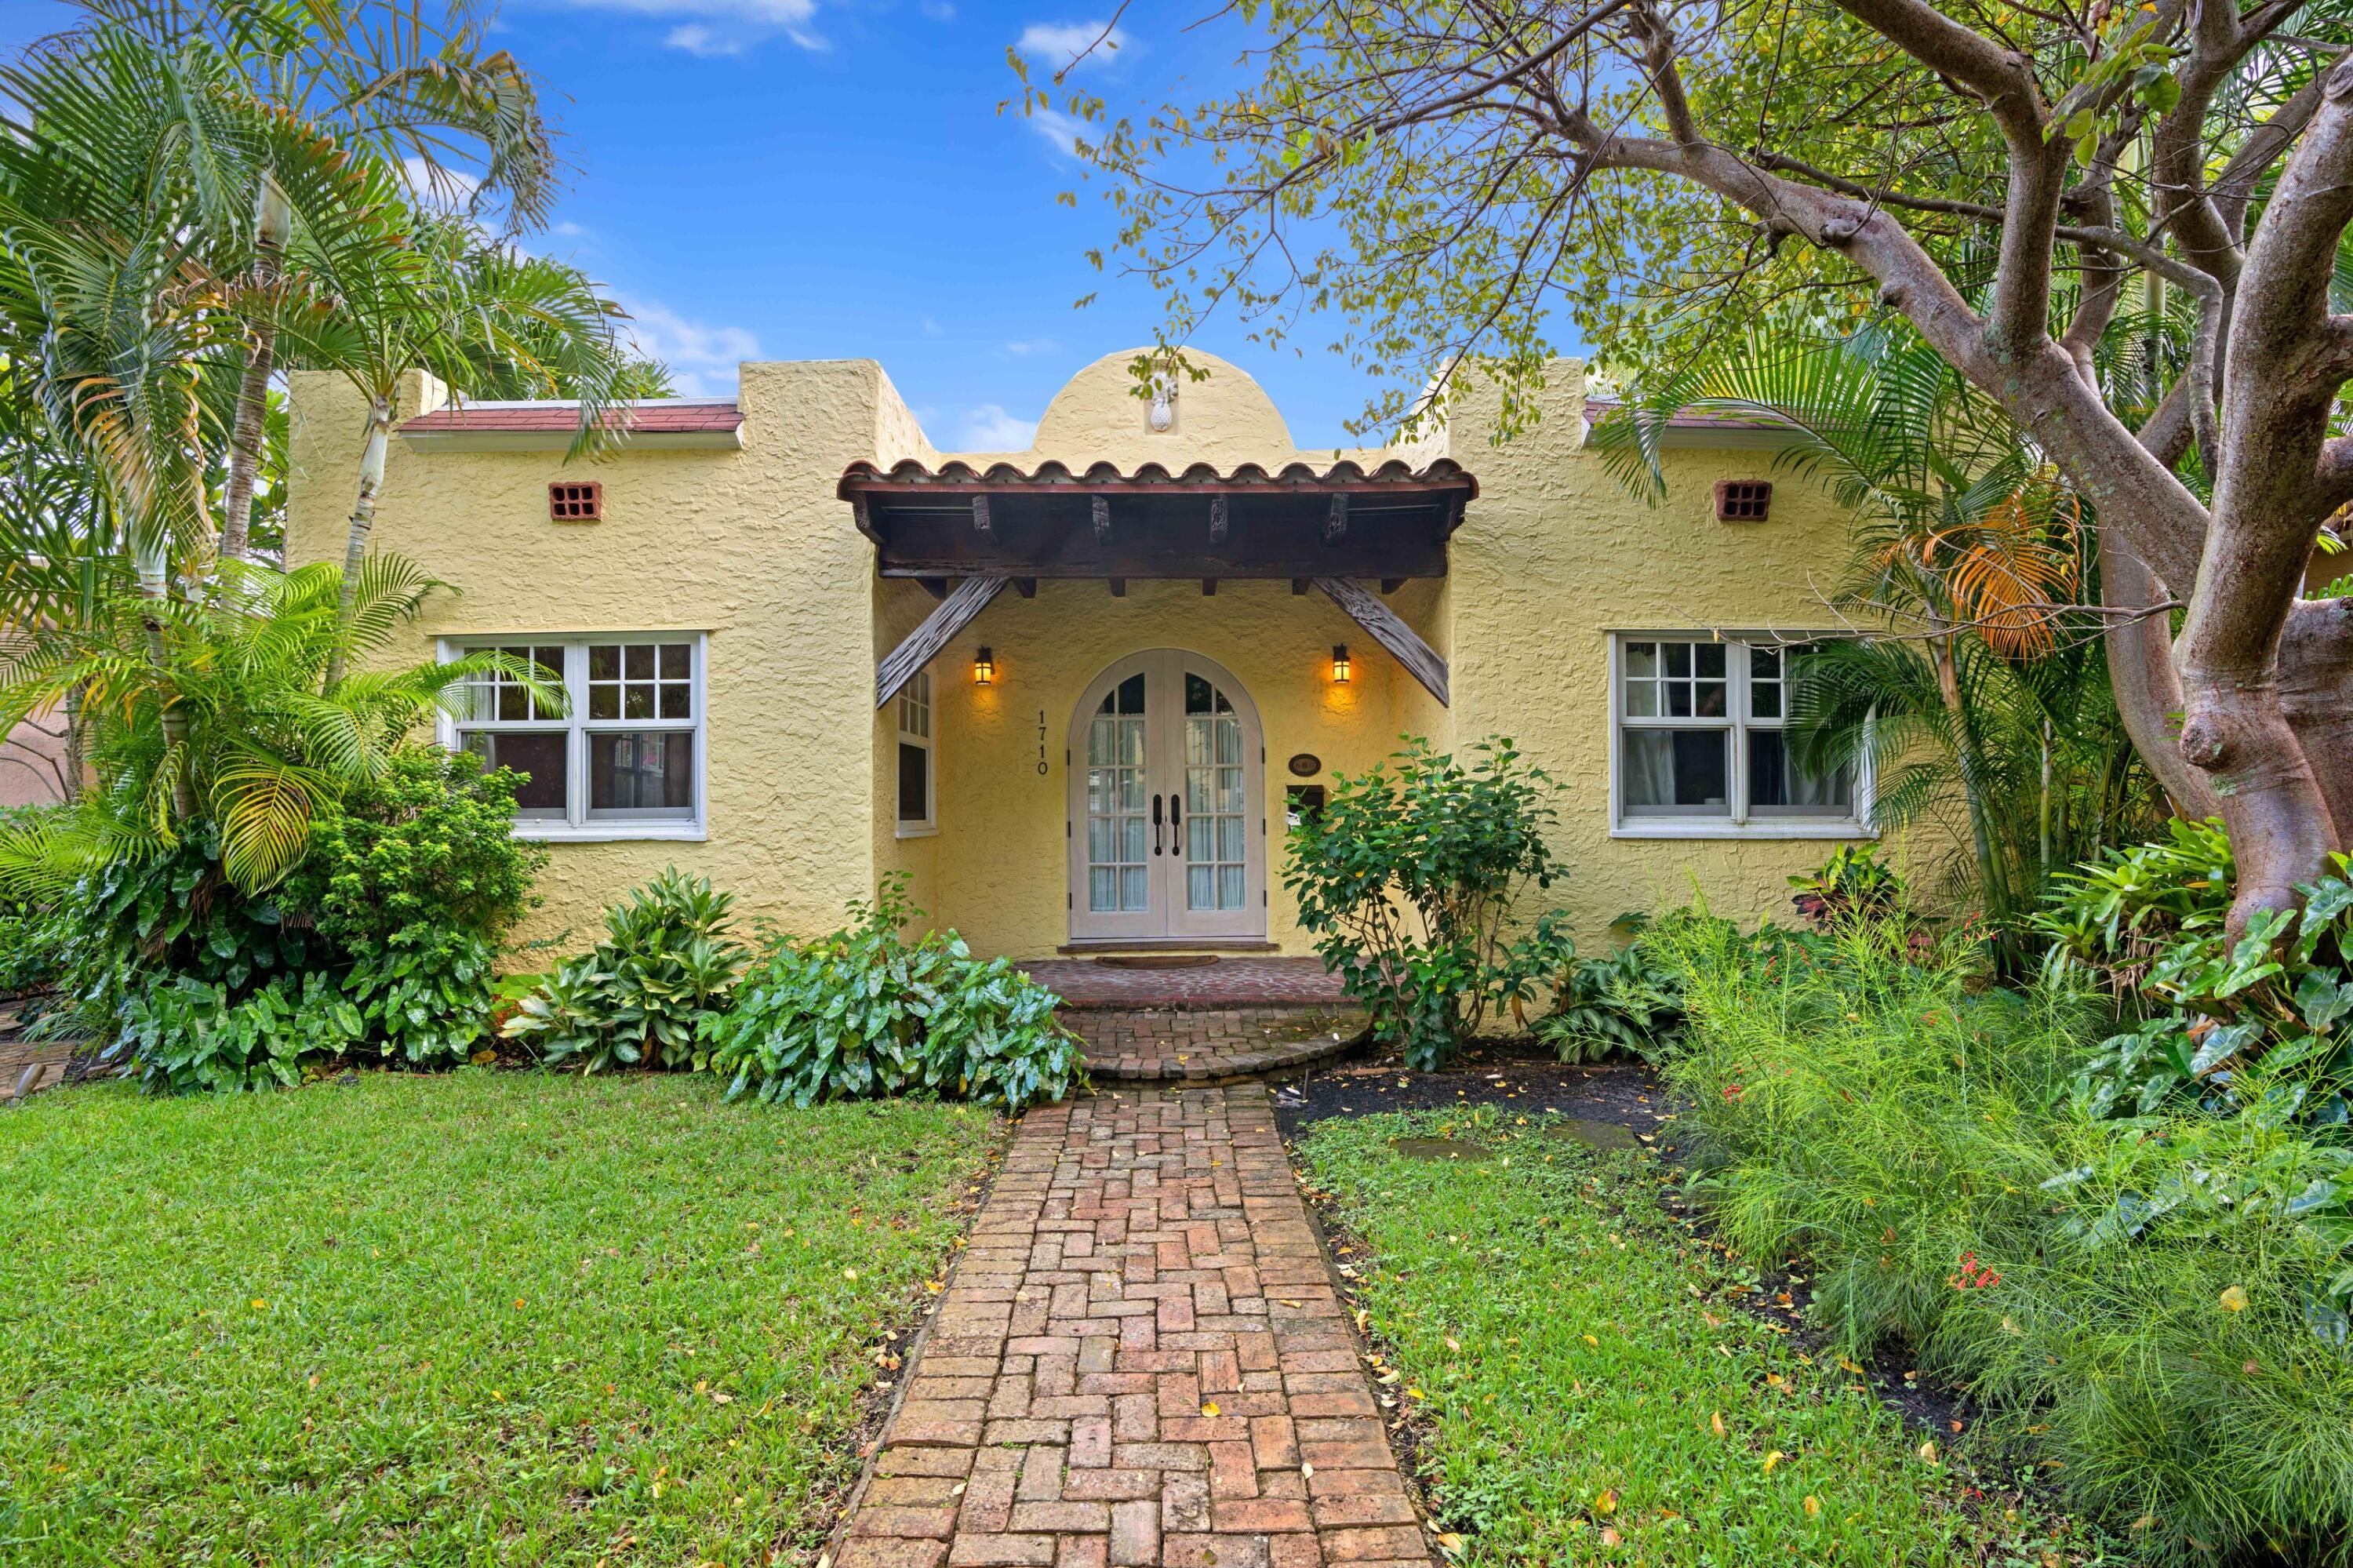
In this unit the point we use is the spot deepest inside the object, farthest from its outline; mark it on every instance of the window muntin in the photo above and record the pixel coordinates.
(918, 786)
(625, 758)
(1699, 742)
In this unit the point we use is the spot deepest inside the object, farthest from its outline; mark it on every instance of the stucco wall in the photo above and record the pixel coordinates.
(750, 545)
(753, 548)
(1553, 558)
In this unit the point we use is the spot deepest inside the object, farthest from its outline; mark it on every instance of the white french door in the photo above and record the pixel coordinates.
(1167, 823)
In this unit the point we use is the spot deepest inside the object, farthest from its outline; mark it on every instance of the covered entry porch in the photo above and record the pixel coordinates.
(1100, 697)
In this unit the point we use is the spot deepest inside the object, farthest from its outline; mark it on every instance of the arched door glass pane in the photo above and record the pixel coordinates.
(1118, 880)
(1215, 812)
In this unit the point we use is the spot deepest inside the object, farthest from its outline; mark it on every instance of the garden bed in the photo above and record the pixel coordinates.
(1582, 1376)
(488, 1316)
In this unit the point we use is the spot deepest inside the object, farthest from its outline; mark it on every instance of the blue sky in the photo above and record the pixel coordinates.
(784, 179)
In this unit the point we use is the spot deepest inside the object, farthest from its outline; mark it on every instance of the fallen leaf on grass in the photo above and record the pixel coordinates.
(1773, 1458)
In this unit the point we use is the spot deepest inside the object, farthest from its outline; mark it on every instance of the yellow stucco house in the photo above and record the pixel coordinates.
(1075, 692)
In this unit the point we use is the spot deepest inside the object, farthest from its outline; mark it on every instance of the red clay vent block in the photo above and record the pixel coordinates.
(575, 500)
(1743, 500)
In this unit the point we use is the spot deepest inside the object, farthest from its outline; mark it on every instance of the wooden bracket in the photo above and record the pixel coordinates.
(1209, 588)
(1026, 586)
(1402, 642)
(1390, 585)
(1103, 519)
(1335, 524)
(936, 587)
(1299, 586)
(1220, 519)
(923, 645)
(980, 524)
(1118, 587)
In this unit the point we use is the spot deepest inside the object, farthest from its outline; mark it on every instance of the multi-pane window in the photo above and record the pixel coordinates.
(1700, 741)
(1215, 813)
(620, 756)
(1118, 878)
(918, 790)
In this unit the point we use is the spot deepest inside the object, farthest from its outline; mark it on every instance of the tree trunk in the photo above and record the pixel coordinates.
(1965, 752)
(153, 590)
(379, 436)
(273, 221)
(77, 779)
(2315, 663)
(2141, 674)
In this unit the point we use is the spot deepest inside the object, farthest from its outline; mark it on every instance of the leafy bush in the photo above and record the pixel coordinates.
(1852, 882)
(640, 996)
(189, 1035)
(2104, 1283)
(1628, 1001)
(1408, 881)
(863, 1013)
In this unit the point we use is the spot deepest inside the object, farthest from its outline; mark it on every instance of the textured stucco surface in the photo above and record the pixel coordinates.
(753, 548)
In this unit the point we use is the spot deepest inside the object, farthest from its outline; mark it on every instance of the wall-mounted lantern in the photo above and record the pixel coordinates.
(1340, 670)
(984, 668)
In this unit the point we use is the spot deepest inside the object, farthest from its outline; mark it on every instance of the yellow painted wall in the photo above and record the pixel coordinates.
(754, 548)
(750, 545)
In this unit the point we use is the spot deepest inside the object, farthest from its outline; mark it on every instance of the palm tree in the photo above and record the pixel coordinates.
(1969, 551)
(473, 312)
(262, 742)
(417, 87)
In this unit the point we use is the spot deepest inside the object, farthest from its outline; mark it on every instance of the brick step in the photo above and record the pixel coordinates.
(1204, 1044)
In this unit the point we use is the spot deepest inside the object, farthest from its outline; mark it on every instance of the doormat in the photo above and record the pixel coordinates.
(1157, 960)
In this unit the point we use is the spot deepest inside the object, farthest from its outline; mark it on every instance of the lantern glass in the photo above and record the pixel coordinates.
(984, 668)
(1340, 669)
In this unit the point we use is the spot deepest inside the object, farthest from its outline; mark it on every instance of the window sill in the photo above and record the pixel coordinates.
(1722, 829)
(917, 831)
(609, 832)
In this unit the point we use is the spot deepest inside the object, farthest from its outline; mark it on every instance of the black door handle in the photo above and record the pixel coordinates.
(1155, 824)
(1175, 823)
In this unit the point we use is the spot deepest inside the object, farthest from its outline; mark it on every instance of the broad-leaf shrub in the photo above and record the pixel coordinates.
(2104, 1284)
(640, 996)
(1408, 879)
(863, 1011)
(1629, 1002)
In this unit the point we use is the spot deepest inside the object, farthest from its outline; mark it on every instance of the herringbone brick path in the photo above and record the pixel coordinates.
(1141, 1361)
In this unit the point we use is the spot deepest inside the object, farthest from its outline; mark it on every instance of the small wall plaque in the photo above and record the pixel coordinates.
(1307, 765)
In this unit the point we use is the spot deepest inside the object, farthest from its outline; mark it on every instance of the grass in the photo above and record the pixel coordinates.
(1590, 1390)
(488, 1317)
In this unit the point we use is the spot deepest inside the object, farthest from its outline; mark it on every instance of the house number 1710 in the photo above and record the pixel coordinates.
(1042, 743)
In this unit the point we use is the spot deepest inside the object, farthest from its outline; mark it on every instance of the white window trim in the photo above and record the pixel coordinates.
(930, 826)
(1622, 826)
(580, 830)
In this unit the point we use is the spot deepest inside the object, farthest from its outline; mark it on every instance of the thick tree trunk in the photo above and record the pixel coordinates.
(2315, 663)
(273, 222)
(2140, 671)
(379, 436)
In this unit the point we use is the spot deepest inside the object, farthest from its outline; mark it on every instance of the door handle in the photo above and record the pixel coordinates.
(1175, 823)
(1155, 824)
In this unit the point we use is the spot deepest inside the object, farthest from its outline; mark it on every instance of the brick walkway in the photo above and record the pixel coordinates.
(1228, 982)
(1141, 1361)
(1205, 1044)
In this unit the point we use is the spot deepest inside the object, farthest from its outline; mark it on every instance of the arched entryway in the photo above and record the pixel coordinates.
(1167, 805)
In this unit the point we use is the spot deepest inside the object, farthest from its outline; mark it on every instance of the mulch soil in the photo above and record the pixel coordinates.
(1522, 1077)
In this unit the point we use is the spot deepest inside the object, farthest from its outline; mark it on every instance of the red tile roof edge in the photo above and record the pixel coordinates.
(1444, 473)
(647, 418)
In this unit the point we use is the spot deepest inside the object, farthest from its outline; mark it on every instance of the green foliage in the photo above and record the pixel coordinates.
(1408, 880)
(498, 1290)
(1628, 1001)
(190, 1035)
(1578, 1360)
(640, 996)
(2128, 1295)
(864, 1012)
(1853, 883)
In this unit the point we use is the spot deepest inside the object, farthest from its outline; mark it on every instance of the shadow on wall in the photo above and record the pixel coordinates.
(33, 763)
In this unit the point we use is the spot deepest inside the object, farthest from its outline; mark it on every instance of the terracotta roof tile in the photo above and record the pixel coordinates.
(909, 474)
(658, 418)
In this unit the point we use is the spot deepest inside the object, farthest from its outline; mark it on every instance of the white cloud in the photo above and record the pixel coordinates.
(1033, 346)
(931, 326)
(1059, 128)
(989, 429)
(704, 359)
(1057, 45)
(569, 230)
(937, 10)
(435, 186)
(713, 28)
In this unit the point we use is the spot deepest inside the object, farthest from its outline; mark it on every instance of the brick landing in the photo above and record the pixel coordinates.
(1145, 1256)
(1228, 982)
(1206, 1045)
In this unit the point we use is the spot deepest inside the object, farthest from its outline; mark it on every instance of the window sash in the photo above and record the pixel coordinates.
(579, 817)
(918, 728)
(1735, 724)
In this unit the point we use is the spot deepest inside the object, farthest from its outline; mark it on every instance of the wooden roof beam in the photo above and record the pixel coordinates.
(1404, 643)
(951, 615)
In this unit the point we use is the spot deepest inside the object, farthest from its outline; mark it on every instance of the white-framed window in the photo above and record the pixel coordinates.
(919, 784)
(1697, 745)
(625, 758)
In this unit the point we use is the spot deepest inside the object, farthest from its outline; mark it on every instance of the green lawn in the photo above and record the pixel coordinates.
(489, 1318)
(1574, 1350)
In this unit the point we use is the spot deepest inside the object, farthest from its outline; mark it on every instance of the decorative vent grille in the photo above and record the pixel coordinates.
(570, 501)
(1743, 500)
